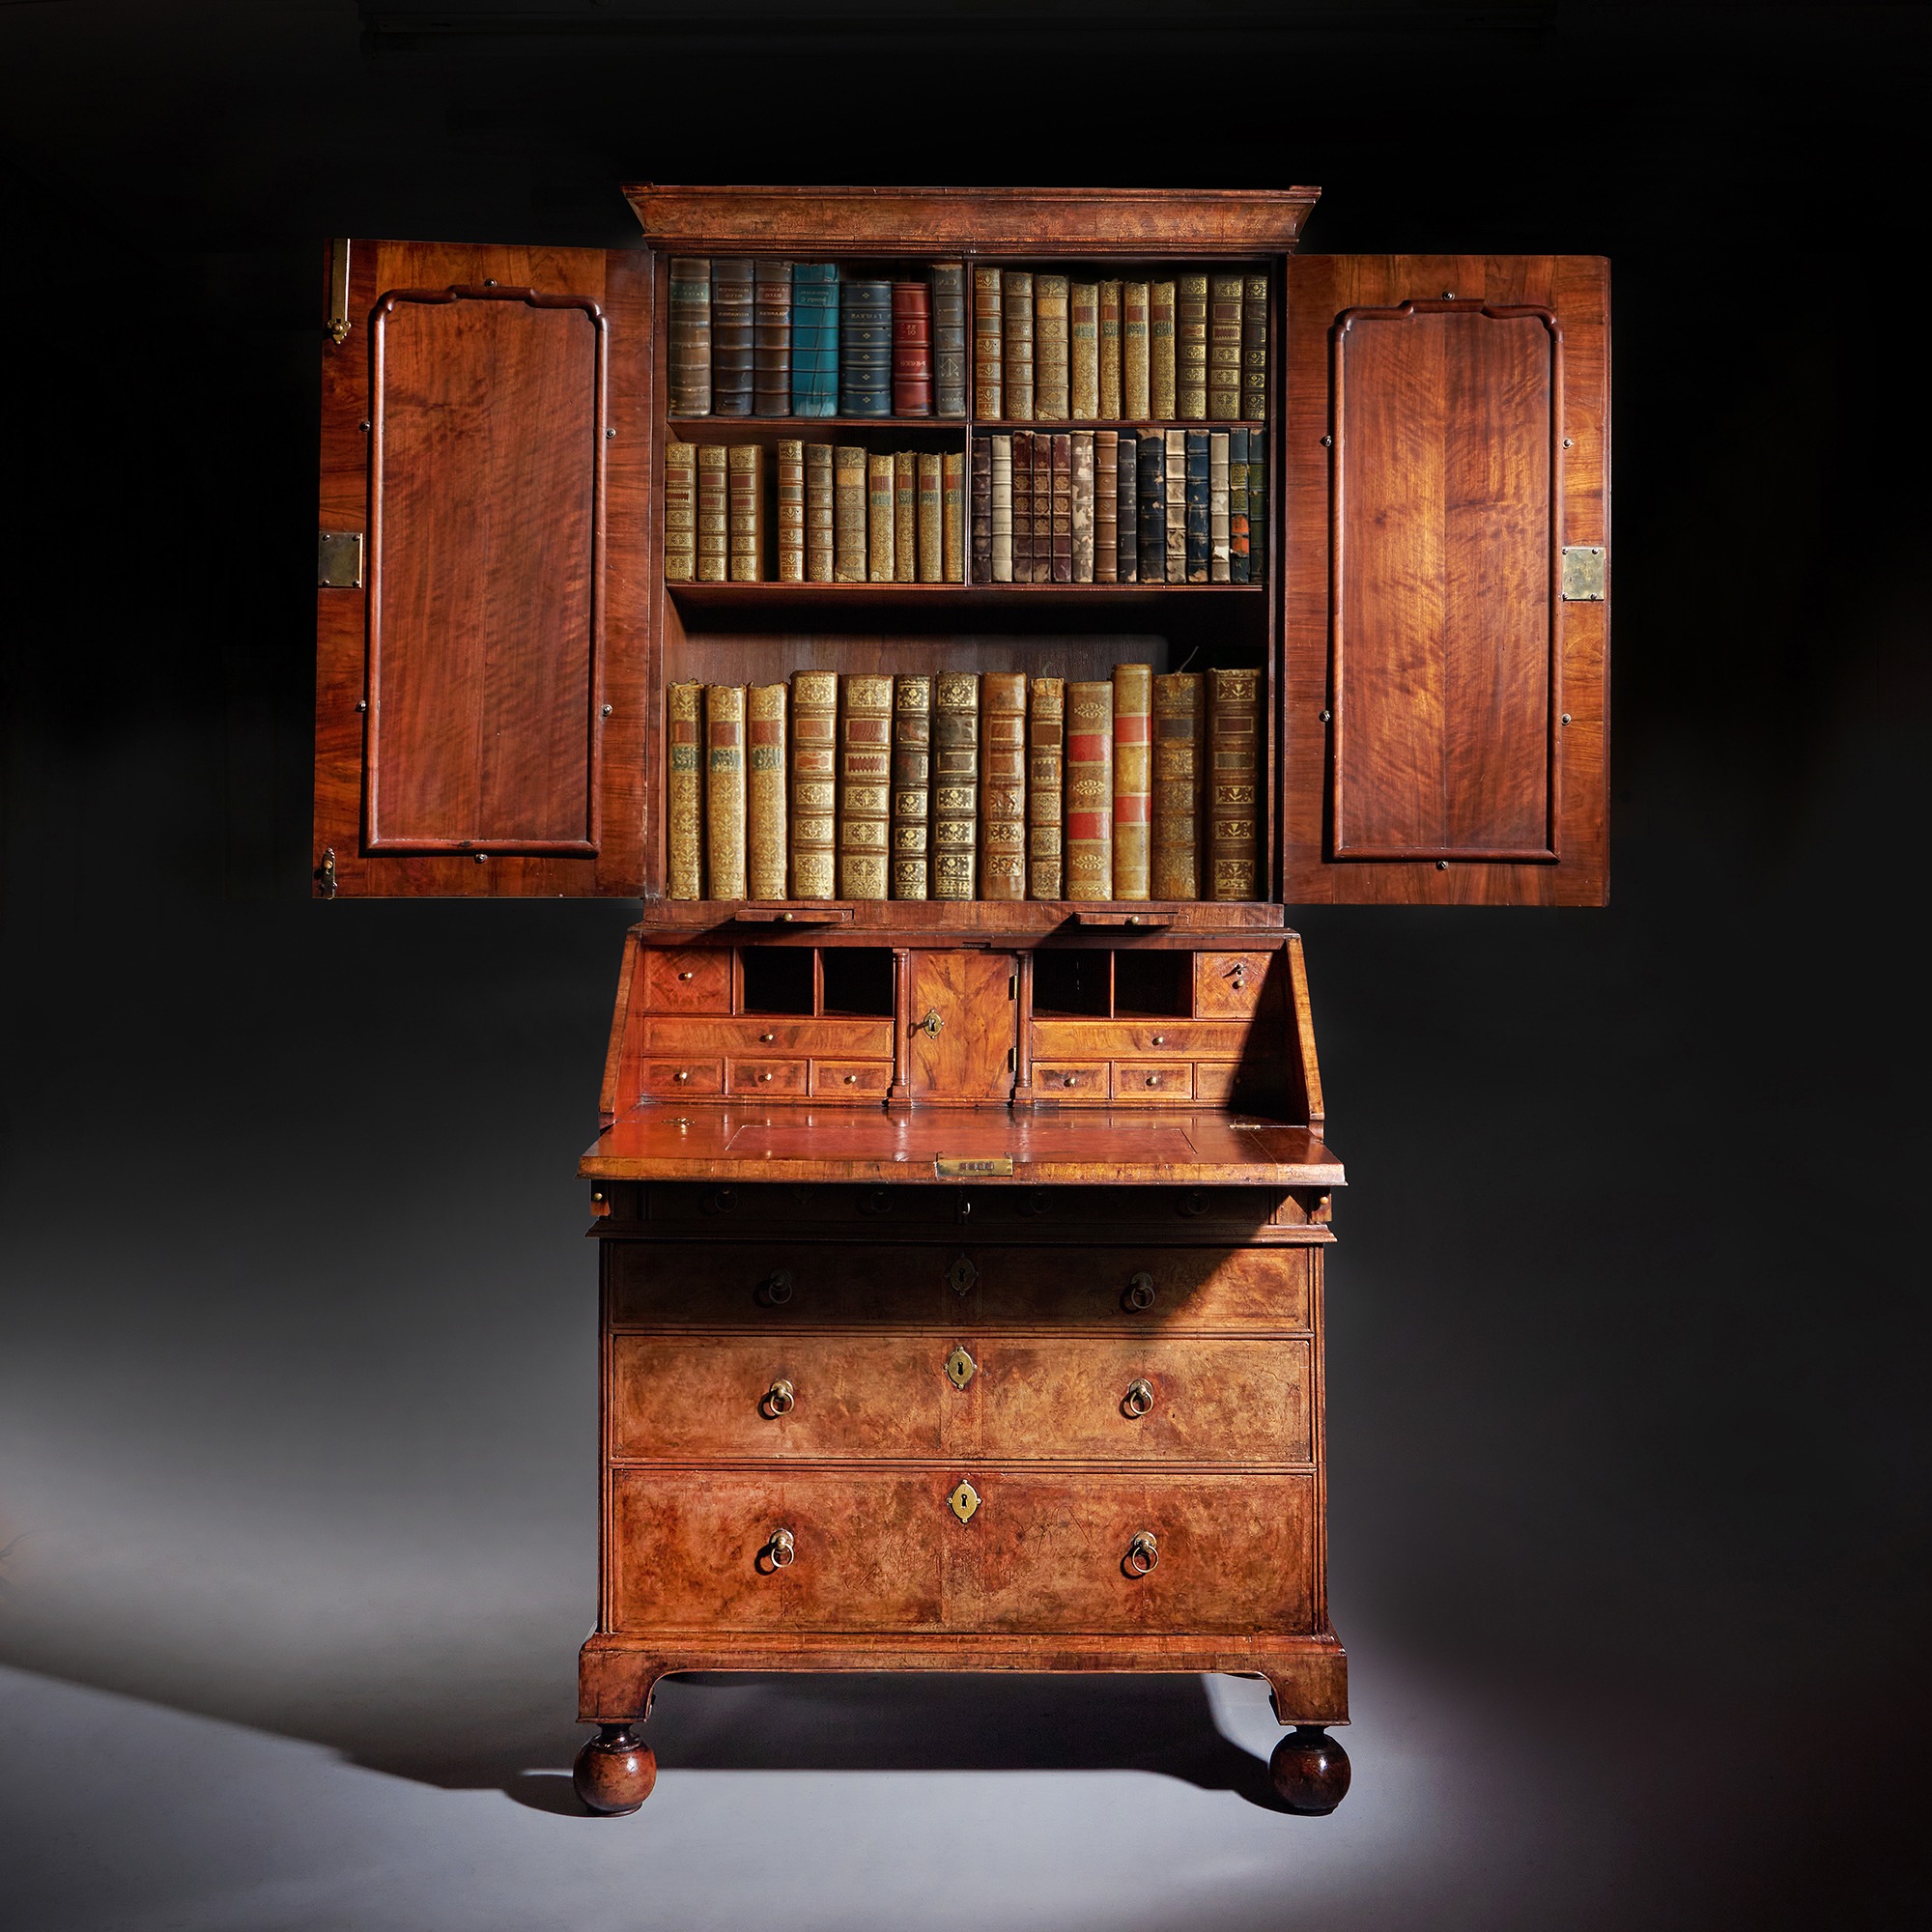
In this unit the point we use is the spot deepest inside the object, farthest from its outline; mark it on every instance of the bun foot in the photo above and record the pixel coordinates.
(614, 1773)
(1310, 1770)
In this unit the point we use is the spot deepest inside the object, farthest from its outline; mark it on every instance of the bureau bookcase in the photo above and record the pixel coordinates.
(962, 1261)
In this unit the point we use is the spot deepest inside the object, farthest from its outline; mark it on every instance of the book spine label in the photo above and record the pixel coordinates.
(814, 782)
(680, 496)
(1233, 747)
(1175, 869)
(931, 543)
(1218, 507)
(771, 338)
(1016, 342)
(791, 510)
(955, 784)
(732, 356)
(982, 510)
(820, 514)
(912, 349)
(880, 508)
(1160, 351)
(815, 339)
(1255, 349)
(1224, 348)
(849, 508)
(724, 791)
(1133, 778)
(1046, 753)
(865, 784)
(684, 806)
(1110, 352)
(1126, 508)
(912, 786)
(1134, 403)
(1062, 553)
(1106, 506)
(952, 516)
(1176, 505)
(1151, 507)
(1090, 791)
(1051, 347)
(1190, 348)
(1081, 452)
(688, 324)
(713, 514)
(865, 349)
(1003, 786)
(766, 845)
(987, 386)
(746, 494)
(905, 517)
(1197, 506)
(1083, 333)
(949, 338)
(1237, 506)
(1000, 514)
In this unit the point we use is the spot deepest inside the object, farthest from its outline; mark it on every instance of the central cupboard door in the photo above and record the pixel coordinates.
(964, 1016)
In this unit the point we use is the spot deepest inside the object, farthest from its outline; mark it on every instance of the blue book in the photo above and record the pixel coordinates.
(815, 339)
(1153, 507)
(1197, 506)
(865, 349)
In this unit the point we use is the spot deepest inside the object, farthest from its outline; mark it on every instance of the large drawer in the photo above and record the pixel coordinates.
(883, 1549)
(790, 1284)
(874, 1211)
(812, 1395)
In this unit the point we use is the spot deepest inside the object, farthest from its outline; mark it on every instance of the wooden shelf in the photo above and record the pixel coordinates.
(820, 918)
(687, 427)
(837, 596)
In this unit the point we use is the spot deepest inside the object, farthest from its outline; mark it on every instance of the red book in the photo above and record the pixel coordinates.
(912, 349)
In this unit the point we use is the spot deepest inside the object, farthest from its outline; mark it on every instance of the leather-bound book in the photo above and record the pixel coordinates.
(1257, 505)
(912, 786)
(1176, 505)
(815, 339)
(1042, 506)
(1217, 507)
(949, 338)
(930, 542)
(1003, 760)
(848, 514)
(905, 517)
(1178, 720)
(1134, 403)
(865, 349)
(982, 511)
(1090, 790)
(1016, 321)
(733, 355)
(1224, 348)
(955, 782)
(865, 784)
(766, 844)
(1106, 500)
(746, 512)
(1080, 452)
(988, 386)
(680, 489)
(1061, 552)
(1190, 348)
(1234, 766)
(771, 337)
(1151, 507)
(1160, 351)
(724, 791)
(912, 349)
(690, 330)
(952, 516)
(1047, 778)
(1133, 779)
(1126, 508)
(880, 477)
(713, 514)
(1083, 335)
(790, 524)
(820, 513)
(1255, 349)
(1000, 508)
(1110, 352)
(1022, 443)
(1197, 506)
(814, 782)
(1051, 350)
(684, 807)
(1237, 506)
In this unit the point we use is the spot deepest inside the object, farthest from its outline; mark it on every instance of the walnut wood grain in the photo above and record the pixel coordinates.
(968, 1059)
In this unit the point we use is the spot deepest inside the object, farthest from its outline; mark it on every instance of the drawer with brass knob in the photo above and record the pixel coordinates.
(761, 1079)
(831, 1038)
(688, 979)
(680, 1079)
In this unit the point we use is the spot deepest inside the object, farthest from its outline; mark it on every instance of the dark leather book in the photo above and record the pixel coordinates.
(690, 329)
(1151, 506)
(1255, 349)
(771, 338)
(1237, 506)
(912, 349)
(912, 786)
(1106, 506)
(1224, 348)
(1257, 505)
(865, 349)
(949, 338)
(1198, 527)
(1063, 509)
(1126, 508)
(982, 509)
(733, 355)
(1042, 506)
(1003, 762)
(1234, 766)
(955, 784)
(1022, 506)
(815, 339)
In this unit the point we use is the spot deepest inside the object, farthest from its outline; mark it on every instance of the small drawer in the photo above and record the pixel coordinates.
(688, 979)
(771, 1038)
(1154, 1080)
(1214, 1080)
(670, 1079)
(1056, 1080)
(765, 1077)
(851, 1079)
(1227, 985)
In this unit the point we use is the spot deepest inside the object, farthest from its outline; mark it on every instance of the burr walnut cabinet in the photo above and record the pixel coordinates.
(962, 1262)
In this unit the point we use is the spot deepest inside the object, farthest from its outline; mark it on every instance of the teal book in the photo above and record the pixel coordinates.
(815, 339)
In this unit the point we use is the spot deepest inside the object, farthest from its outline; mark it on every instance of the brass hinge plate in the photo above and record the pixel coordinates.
(338, 560)
(1584, 573)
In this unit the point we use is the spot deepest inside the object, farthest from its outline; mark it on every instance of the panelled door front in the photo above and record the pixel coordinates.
(964, 1014)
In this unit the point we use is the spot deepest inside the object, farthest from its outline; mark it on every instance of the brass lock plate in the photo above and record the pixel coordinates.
(960, 1368)
(1584, 573)
(963, 1502)
(338, 560)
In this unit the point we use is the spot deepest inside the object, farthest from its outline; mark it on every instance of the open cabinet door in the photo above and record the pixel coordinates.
(1446, 511)
(481, 643)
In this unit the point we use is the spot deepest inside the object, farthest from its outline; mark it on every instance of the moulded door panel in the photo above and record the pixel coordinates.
(965, 1026)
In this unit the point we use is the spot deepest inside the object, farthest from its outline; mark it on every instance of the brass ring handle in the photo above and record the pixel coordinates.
(782, 1550)
(776, 1290)
(1143, 1553)
(781, 1399)
(1139, 1397)
(1140, 1292)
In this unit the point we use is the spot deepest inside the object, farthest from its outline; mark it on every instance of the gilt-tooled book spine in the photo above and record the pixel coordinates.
(1133, 778)
(680, 512)
(1218, 491)
(791, 511)
(1126, 508)
(1234, 764)
(848, 514)
(1179, 706)
(949, 338)
(983, 512)
(912, 349)
(1257, 505)
(1062, 553)
(724, 791)
(820, 512)
(1000, 510)
(1151, 449)
(865, 784)
(1110, 352)
(815, 339)
(747, 501)
(689, 330)
(814, 782)
(880, 473)
(1003, 762)
(865, 349)
(1160, 351)
(912, 786)
(931, 542)
(1023, 507)
(1052, 365)
(1237, 506)
(1134, 403)
(732, 285)
(955, 782)
(684, 807)
(713, 514)
(952, 516)
(1255, 349)
(1016, 325)
(1190, 348)
(1046, 757)
(1197, 505)
(905, 517)
(988, 383)
(1090, 790)
(1176, 505)
(1224, 348)
(771, 338)
(1083, 335)
(1080, 447)
(765, 841)
(1106, 505)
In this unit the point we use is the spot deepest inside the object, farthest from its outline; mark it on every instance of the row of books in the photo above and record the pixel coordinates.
(966, 784)
(844, 515)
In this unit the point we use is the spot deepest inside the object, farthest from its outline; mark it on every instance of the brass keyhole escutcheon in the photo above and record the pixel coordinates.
(963, 1502)
(962, 1275)
(960, 1368)
(1139, 1398)
(931, 1024)
(1140, 1292)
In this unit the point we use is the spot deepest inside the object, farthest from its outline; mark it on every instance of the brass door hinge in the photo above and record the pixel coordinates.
(338, 560)
(338, 291)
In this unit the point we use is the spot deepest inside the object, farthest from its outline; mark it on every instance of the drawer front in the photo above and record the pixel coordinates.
(667, 1079)
(688, 979)
(779, 1285)
(851, 1079)
(1146, 1288)
(831, 1038)
(1145, 1039)
(1154, 1080)
(762, 1078)
(871, 1211)
(1229, 986)
(1216, 1082)
(1057, 1080)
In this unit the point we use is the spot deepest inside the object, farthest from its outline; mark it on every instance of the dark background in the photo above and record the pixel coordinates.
(1628, 1393)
